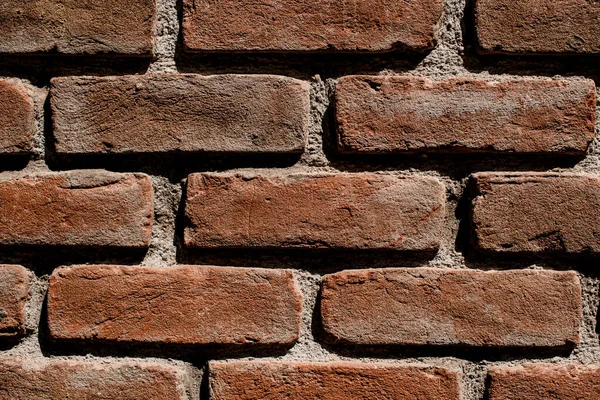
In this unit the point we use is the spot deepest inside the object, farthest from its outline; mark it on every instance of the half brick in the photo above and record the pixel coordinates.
(17, 119)
(14, 292)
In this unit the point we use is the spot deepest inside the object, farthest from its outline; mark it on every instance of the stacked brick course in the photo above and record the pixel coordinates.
(299, 200)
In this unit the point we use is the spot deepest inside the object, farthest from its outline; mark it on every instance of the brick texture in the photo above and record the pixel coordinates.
(392, 114)
(16, 119)
(340, 380)
(426, 306)
(353, 211)
(14, 291)
(536, 213)
(545, 381)
(538, 26)
(302, 25)
(77, 208)
(77, 27)
(180, 113)
(181, 305)
(29, 379)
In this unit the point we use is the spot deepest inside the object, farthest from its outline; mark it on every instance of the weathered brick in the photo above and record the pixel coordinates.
(538, 26)
(14, 291)
(351, 211)
(17, 119)
(536, 212)
(77, 27)
(392, 114)
(39, 378)
(77, 208)
(545, 381)
(340, 380)
(301, 25)
(181, 305)
(180, 113)
(427, 306)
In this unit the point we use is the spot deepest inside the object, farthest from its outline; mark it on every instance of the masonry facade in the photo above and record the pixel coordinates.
(303, 200)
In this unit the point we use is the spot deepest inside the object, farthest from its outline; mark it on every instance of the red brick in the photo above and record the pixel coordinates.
(39, 378)
(302, 25)
(545, 381)
(182, 305)
(77, 208)
(14, 292)
(340, 380)
(427, 306)
(180, 113)
(536, 213)
(352, 211)
(393, 114)
(17, 119)
(538, 26)
(77, 27)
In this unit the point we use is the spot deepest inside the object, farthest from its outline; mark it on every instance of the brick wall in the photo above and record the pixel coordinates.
(292, 199)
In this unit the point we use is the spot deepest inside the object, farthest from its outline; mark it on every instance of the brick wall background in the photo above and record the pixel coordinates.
(293, 199)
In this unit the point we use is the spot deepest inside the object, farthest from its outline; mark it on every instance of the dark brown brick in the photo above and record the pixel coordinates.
(182, 305)
(180, 113)
(39, 378)
(77, 208)
(537, 213)
(77, 27)
(340, 380)
(538, 26)
(393, 114)
(351, 211)
(427, 306)
(301, 25)
(545, 381)
(17, 119)
(14, 292)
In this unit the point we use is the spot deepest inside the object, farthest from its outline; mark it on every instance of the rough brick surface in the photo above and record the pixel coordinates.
(77, 208)
(390, 114)
(301, 25)
(180, 113)
(425, 306)
(16, 120)
(14, 289)
(545, 381)
(29, 379)
(340, 380)
(77, 27)
(183, 305)
(536, 212)
(538, 26)
(353, 211)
